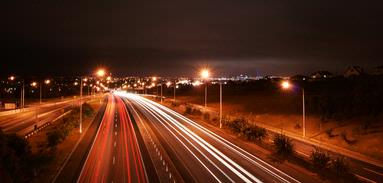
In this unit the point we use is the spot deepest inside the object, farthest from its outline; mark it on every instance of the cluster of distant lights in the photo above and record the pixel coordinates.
(100, 73)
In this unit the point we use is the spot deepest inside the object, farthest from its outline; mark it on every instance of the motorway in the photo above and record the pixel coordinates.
(198, 154)
(23, 122)
(114, 155)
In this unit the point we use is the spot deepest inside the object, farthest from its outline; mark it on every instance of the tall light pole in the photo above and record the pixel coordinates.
(22, 91)
(81, 84)
(174, 92)
(220, 104)
(161, 91)
(286, 85)
(99, 73)
(205, 75)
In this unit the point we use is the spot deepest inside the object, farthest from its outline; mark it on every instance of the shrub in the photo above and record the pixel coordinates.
(54, 138)
(348, 141)
(283, 145)
(319, 158)
(87, 110)
(196, 112)
(206, 116)
(237, 125)
(330, 133)
(254, 132)
(339, 166)
(188, 110)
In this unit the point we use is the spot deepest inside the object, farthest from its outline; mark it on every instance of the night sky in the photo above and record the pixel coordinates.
(175, 37)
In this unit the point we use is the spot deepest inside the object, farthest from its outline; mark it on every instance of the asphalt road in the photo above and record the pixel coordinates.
(201, 155)
(115, 155)
(23, 122)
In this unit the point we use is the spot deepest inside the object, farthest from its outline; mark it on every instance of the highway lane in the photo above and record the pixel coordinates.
(115, 155)
(23, 122)
(199, 154)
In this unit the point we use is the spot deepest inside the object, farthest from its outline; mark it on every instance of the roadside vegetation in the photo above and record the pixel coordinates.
(320, 161)
(20, 162)
(66, 125)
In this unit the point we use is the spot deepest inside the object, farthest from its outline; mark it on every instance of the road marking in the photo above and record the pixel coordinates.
(114, 159)
(373, 171)
(115, 125)
(115, 144)
(364, 178)
(115, 133)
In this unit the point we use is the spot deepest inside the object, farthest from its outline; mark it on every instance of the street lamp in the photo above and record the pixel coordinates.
(100, 72)
(22, 92)
(286, 85)
(205, 75)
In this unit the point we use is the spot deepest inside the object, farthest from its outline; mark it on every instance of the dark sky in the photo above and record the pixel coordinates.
(175, 37)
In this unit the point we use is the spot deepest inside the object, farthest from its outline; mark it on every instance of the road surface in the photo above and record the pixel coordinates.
(23, 122)
(115, 155)
(198, 154)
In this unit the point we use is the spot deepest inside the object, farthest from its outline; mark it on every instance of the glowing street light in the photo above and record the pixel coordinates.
(205, 75)
(22, 93)
(154, 78)
(47, 81)
(168, 84)
(286, 85)
(100, 73)
(34, 84)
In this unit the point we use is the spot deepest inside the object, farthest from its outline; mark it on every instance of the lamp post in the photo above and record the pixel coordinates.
(22, 91)
(161, 91)
(286, 85)
(220, 104)
(205, 75)
(174, 92)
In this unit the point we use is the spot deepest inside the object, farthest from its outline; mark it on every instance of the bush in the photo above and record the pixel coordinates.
(237, 125)
(319, 158)
(206, 116)
(54, 138)
(339, 166)
(188, 110)
(87, 110)
(196, 112)
(283, 145)
(254, 132)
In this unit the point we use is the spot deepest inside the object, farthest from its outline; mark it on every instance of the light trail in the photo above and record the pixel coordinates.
(206, 146)
(253, 159)
(171, 120)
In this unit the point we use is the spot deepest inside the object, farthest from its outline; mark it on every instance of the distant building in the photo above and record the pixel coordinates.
(378, 70)
(353, 71)
(321, 75)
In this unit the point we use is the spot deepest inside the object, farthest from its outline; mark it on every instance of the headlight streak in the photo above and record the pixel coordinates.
(209, 148)
(248, 156)
(155, 116)
(229, 163)
(230, 145)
